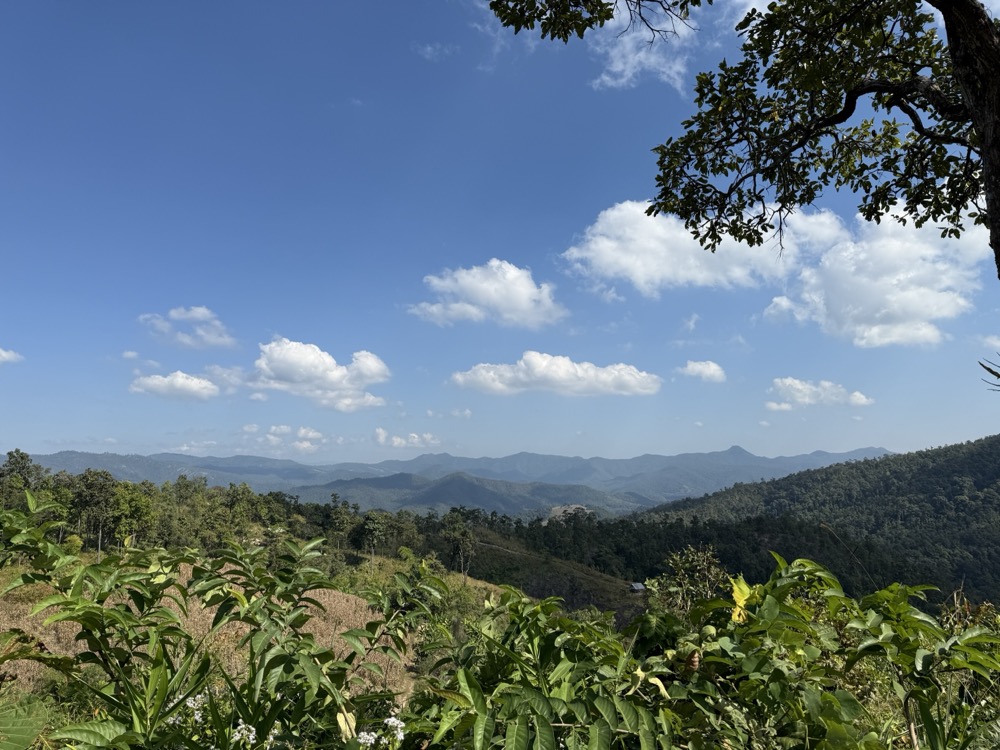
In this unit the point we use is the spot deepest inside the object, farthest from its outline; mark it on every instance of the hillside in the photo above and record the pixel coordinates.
(930, 516)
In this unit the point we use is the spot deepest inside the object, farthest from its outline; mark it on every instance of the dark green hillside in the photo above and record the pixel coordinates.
(419, 494)
(933, 514)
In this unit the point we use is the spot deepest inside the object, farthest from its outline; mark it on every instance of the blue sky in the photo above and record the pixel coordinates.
(345, 232)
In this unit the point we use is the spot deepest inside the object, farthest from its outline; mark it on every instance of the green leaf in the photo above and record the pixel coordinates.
(20, 724)
(517, 734)
(100, 733)
(600, 736)
(629, 716)
(482, 731)
(545, 738)
(607, 710)
(453, 696)
(471, 690)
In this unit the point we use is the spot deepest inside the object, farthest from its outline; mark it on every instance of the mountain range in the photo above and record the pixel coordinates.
(520, 484)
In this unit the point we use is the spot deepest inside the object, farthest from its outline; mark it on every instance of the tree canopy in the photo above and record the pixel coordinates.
(880, 97)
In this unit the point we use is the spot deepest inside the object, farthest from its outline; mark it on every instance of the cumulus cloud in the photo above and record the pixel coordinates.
(176, 385)
(250, 429)
(280, 429)
(536, 371)
(873, 284)
(411, 440)
(193, 327)
(6, 356)
(305, 446)
(497, 291)
(653, 253)
(881, 284)
(707, 370)
(308, 433)
(795, 393)
(306, 370)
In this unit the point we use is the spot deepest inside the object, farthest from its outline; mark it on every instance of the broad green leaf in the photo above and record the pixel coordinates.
(471, 690)
(99, 733)
(517, 734)
(600, 735)
(20, 725)
(607, 709)
(453, 696)
(628, 714)
(482, 731)
(545, 738)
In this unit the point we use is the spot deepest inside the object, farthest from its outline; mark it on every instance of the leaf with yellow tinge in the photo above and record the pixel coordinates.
(347, 722)
(741, 594)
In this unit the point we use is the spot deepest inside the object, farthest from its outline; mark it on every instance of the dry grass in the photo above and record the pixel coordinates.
(341, 611)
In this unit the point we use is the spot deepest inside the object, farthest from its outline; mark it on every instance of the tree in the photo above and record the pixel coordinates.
(461, 540)
(371, 533)
(19, 473)
(860, 94)
(94, 504)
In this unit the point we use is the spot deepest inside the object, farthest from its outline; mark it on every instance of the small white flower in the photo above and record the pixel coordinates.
(367, 739)
(244, 733)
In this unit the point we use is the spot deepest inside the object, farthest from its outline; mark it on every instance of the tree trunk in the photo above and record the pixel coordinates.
(974, 44)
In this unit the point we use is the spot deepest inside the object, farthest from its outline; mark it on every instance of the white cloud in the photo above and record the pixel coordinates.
(776, 406)
(691, 321)
(412, 440)
(176, 385)
(544, 372)
(883, 283)
(991, 341)
(305, 446)
(201, 327)
(280, 429)
(498, 291)
(462, 413)
(196, 445)
(6, 356)
(306, 370)
(630, 55)
(130, 355)
(434, 51)
(656, 252)
(873, 284)
(308, 433)
(250, 429)
(797, 393)
(258, 396)
(707, 370)
(231, 378)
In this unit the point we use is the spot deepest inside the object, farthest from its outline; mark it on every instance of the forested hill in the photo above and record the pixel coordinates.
(930, 517)
(932, 514)
(888, 495)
